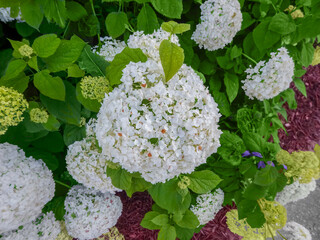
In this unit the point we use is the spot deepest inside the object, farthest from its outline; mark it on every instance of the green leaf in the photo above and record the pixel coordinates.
(24, 29)
(14, 69)
(49, 86)
(69, 110)
(167, 232)
(246, 207)
(168, 8)
(147, 220)
(16, 45)
(255, 192)
(120, 61)
(147, 20)
(266, 176)
(57, 206)
(5, 56)
(53, 142)
(189, 220)
(254, 142)
(116, 23)
(92, 105)
(300, 85)
(235, 52)
(73, 133)
(49, 159)
(75, 11)
(89, 26)
(92, 63)
(174, 27)
(46, 45)
(289, 97)
(232, 85)
(52, 124)
(184, 233)
(247, 20)
(75, 71)
(33, 63)
(160, 220)
(306, 29)
(55, 10)
(203, 181)
(19, 83)
(307, 54)
(121, 178)
(281, 23)
(167, 197)
(263, 37)
(172, 57)
(67, 53)
(137, 185)
(256, 219)
(222, 101)
(31, 13)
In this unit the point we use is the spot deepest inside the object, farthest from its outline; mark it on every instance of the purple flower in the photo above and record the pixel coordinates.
(261, 164)
(246, 154)
(257, 154)
(271, 163)
(285, 167)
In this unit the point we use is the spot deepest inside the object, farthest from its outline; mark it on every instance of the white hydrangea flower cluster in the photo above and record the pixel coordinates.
(150, 43)
(26, 185)
(267, 80)
(90, 213)
(5, 15)
(220, 22)
(295, 192)
(208, 205)
(158, 129)
(295, 231)
(110, 48)
(87, 165)
(45, 227)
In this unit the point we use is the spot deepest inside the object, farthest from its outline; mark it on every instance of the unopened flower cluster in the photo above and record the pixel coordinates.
(158, 129)
(90, 213)
(26, 51)
(303, 166)
(294, 13)
(295, 192)
(45, 227)
(295, 231)
(94, 87)
(220, 22)
(12, 106)
(5, 15)
(87, 165)
(63, 235)
(267, 79)
(208, 205)
(38, 115)
(110, 48)
(26, 185)
(113, 234)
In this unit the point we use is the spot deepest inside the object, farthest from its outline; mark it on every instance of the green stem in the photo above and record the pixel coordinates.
(281, 235)
(94, 13)
(274, 7)
(61, 183)
(65, 31)
(251, 59)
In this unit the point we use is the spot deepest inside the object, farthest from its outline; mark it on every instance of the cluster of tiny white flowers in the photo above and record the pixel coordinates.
(5, 15)
(87, 165)
(220, 22)
(158, 129)
(295, 192)
(45, 227)
(267, 80)
(150, 43)
(208, 205)
(90, 213)
(110, 48)
(295, 231)
(26, 185)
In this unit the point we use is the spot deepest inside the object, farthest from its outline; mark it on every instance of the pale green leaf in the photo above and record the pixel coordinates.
(46, 45)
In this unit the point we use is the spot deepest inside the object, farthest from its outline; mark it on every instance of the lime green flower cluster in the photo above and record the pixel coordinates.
(113, 234)
(302, 166)
(12, 106)
(184, 182)
(294, 13)
(26, 51)
(274, 213)
(94, 87)
(63, 235)
(38, 116)
(316, 56)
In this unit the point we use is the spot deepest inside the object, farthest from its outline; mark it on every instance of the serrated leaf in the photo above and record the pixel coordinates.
(203, 181)
(116, 23)
(120, 61)
(168, 8)
(147, 220)
(263, 37)
(19, 83)
(189, 220)
(31, 13)
(167, 232)
(73, 133)
(232, 85)
(147, 20)
(33, 63)
(46, 45)
(75, 71)
(49, 86)
(301, 86)
(174, 27)
(172, 57)
(75, 11)
(281, 23)
(266, 176)
(160, 220)
(55, 10)
(120, 178)
(14, 68)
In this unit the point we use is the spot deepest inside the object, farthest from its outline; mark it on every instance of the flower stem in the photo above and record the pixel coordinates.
(63, 184)
(251, 59)
(281, 235)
